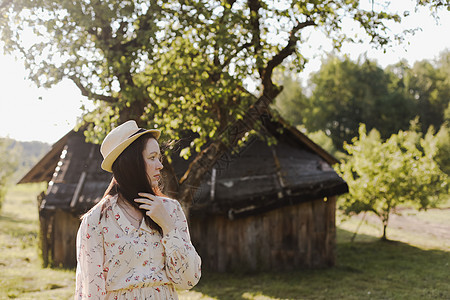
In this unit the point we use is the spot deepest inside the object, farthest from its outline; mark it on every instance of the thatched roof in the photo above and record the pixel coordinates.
(259, 178)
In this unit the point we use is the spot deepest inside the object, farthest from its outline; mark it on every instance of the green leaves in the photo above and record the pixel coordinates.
(382, 175)
(180, 65)
(345, 93)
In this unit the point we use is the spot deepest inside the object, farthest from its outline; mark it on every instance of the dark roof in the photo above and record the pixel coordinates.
(43, 170)
(256, 179)
(262, 177)
(77, 182)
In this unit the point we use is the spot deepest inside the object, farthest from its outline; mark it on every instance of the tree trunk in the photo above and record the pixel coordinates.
(384, 238)
(385, 220)
(385, 224)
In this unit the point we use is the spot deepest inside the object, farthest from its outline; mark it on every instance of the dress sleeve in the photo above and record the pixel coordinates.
(90, 280)
(183, 264)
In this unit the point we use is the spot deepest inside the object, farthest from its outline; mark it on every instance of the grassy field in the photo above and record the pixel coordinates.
(414, 266)
(21, 275)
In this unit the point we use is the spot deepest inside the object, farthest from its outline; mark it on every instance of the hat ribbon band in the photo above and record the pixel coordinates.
(137, 132)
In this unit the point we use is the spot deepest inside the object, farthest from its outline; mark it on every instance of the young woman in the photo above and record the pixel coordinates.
(135, 243)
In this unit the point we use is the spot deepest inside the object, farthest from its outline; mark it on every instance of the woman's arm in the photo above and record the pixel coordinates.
(90, 281)
(183, 264)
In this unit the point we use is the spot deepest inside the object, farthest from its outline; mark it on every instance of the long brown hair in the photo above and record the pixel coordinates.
(130, 178)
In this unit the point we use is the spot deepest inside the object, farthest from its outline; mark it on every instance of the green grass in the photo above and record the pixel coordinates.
(365, 270)
(22, 276)
(414, 266)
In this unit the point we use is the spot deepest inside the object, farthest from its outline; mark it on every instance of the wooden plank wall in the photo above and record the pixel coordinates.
(45, 236)
(64, 239)
(292, 237)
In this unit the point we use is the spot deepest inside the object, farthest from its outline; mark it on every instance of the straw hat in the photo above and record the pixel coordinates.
(119, 139)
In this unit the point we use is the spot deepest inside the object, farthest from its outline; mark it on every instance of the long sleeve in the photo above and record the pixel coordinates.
(90, 281)
(183, 264)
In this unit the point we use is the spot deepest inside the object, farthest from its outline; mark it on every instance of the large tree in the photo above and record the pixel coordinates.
(178, 64)
(428, 84)
(346, 93)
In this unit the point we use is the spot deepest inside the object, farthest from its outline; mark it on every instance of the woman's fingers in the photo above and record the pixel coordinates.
(146, 207)
(143, 200)
(148, 198)
(147, 195)
(156, 210)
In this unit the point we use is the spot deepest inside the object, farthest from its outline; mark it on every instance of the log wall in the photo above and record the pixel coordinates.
(291, 237)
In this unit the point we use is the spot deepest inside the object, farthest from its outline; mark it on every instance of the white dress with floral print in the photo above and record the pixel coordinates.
(117, 261)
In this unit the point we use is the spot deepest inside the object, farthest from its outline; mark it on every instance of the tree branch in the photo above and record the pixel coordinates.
(254, 6)
(122, 28)
(266, 74)
(206, 159)
(85, 92)
(144, 25)
(228, 60)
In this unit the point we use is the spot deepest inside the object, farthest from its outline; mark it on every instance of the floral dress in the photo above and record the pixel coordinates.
(117, 261)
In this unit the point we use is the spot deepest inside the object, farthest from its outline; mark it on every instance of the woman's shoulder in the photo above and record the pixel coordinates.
(94, 215)
(170, 201)
(173, 204)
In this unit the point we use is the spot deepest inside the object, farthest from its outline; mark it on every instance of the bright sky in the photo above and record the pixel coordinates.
(23, 116)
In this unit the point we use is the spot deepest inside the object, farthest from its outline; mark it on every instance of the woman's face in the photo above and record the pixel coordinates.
(153, 165)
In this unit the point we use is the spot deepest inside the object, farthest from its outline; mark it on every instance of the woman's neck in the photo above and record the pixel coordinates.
(133, 214)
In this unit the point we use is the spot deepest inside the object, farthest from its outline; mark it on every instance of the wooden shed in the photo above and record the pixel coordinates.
(75, 183)
(264, 208)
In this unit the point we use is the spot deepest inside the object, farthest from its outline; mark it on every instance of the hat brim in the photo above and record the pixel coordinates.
(112, 156)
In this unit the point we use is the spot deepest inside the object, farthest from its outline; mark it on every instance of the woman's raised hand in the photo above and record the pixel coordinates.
(156, 210)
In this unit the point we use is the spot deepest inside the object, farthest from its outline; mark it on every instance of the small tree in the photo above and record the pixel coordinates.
(382, 175)
(442, 139)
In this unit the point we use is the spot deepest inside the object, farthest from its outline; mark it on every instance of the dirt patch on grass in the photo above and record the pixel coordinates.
(410, 220)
